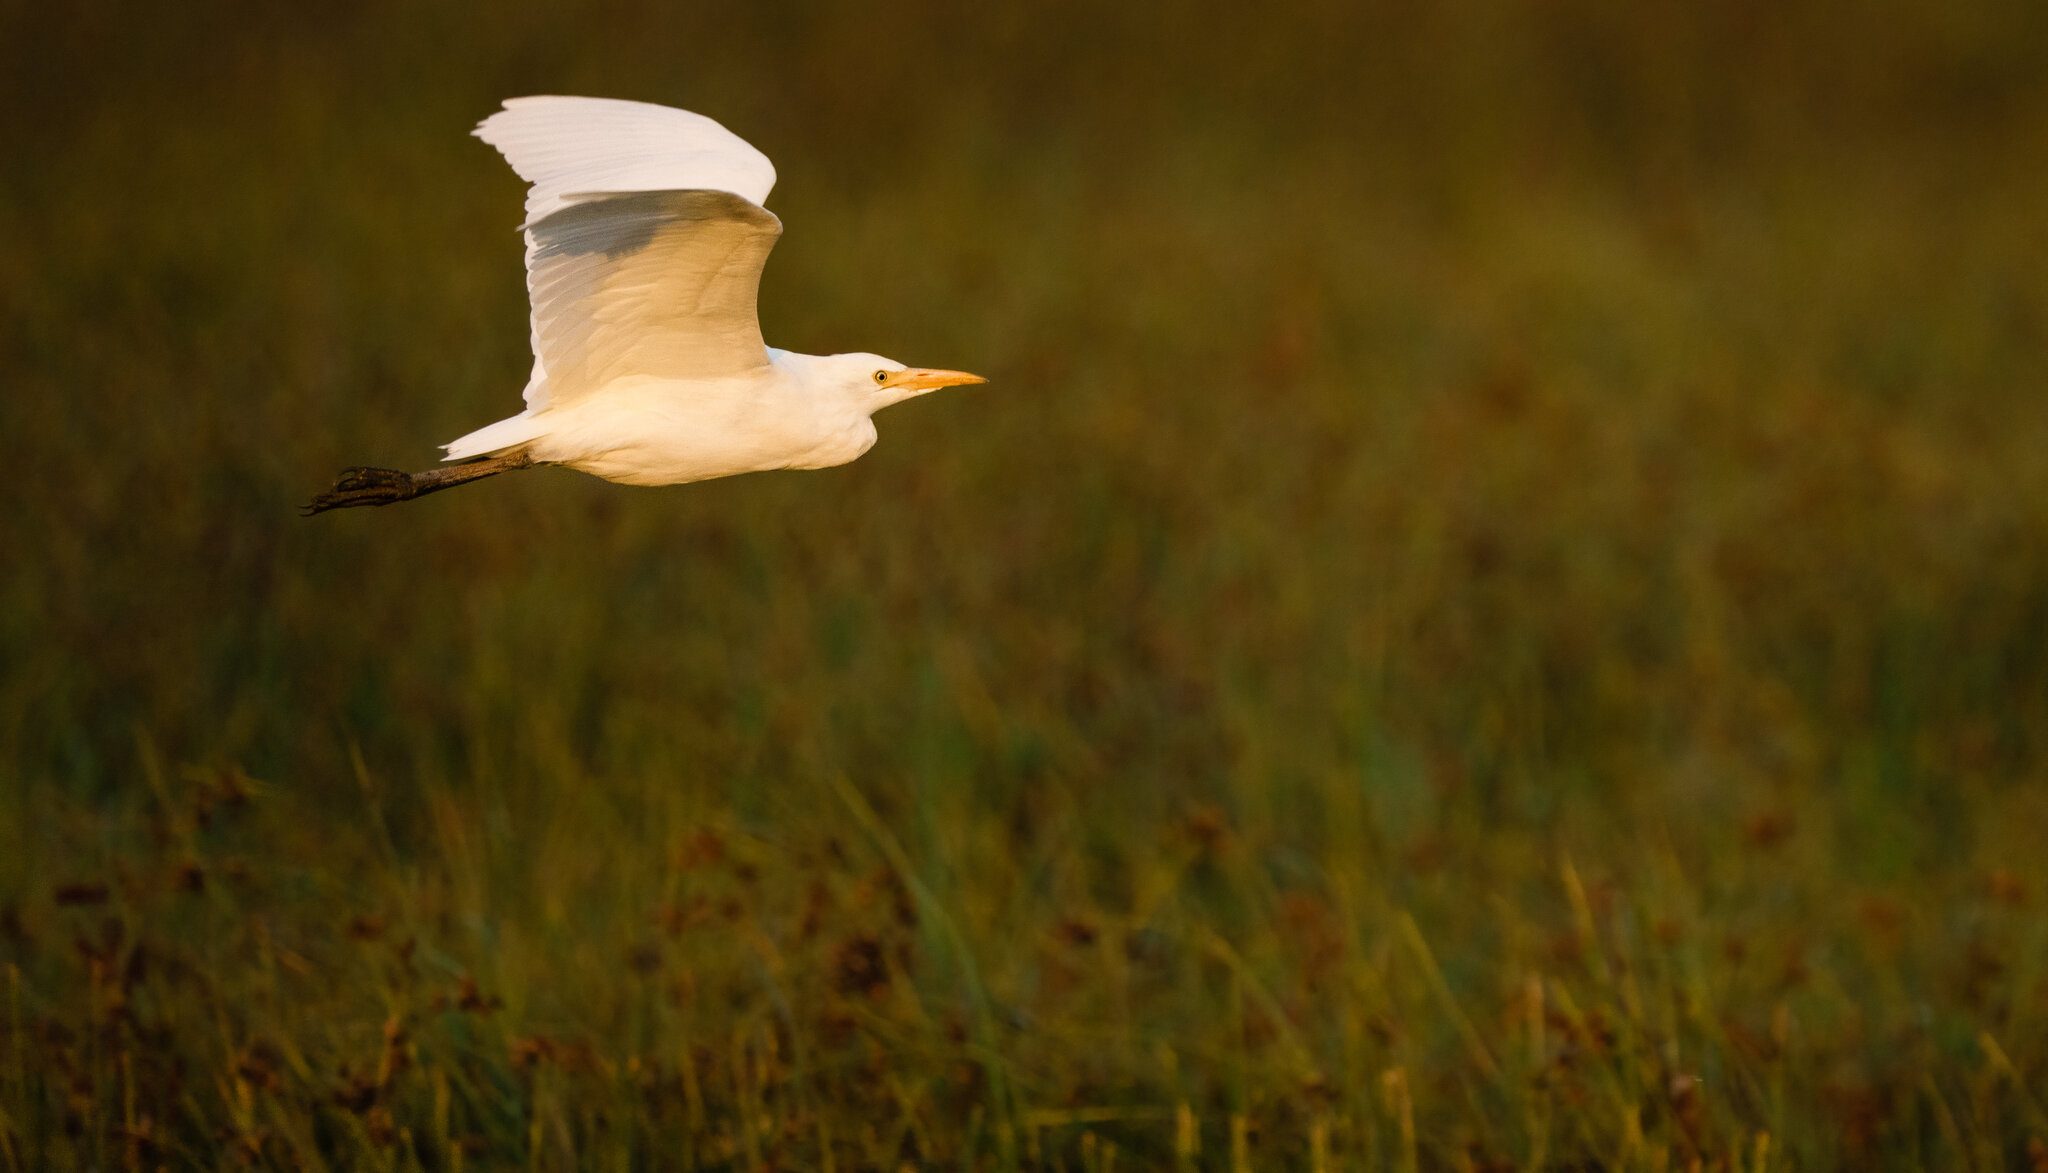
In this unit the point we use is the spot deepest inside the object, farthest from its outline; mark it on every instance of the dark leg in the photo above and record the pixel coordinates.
(385, 486)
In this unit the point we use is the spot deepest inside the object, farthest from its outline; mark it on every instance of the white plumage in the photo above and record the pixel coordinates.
(645, 238)
(569, 147)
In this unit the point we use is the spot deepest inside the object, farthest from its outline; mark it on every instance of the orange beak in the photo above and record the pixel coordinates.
(931, 379)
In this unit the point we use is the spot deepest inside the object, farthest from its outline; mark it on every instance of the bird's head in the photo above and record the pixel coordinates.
(879, 382)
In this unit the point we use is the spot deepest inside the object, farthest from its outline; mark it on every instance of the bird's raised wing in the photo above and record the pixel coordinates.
(645, 238)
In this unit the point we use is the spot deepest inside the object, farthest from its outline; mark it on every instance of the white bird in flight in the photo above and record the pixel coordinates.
(645, 237)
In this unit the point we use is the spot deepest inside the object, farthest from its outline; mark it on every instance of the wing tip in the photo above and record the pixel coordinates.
(514, 105)
(554, 140)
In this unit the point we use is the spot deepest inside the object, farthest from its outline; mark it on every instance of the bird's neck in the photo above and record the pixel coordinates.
(807, 369)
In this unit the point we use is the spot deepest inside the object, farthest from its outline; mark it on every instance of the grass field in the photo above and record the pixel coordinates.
(1494, 613)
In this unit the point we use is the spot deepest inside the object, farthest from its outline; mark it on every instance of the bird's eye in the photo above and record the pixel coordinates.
(881, 376)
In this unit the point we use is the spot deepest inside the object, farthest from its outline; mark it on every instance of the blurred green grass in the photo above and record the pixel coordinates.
(1493, 613)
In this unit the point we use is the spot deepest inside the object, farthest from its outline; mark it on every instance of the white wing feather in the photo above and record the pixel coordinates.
(633, 267)
(568, 146)
(654, 283)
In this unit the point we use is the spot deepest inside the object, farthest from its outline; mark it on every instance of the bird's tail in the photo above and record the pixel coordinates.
(387, 486)
(492, 439)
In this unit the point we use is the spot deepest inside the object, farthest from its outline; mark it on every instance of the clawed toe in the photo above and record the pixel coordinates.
(364, 486)
(356, 479)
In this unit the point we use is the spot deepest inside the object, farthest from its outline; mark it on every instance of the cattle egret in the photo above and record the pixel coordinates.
(645, 237)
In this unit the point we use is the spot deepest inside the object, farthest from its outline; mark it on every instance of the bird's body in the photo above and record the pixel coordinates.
(645, 238)
(653, 431)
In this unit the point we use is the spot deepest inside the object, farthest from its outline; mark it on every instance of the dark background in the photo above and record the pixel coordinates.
(1493, 607)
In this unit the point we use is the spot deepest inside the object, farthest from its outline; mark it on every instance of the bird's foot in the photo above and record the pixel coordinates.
(364, 486)
(355, 479)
